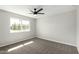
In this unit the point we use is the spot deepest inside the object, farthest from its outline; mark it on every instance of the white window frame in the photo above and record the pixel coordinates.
(20, 21)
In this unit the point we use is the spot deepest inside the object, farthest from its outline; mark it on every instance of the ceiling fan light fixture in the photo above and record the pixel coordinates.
(35, 15)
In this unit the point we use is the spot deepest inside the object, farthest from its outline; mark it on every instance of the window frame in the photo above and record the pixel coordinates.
(21, 23)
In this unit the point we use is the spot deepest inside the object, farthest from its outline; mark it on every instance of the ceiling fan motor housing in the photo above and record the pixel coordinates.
(35, 12)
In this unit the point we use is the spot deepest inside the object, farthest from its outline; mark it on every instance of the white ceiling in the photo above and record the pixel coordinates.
(48, 9)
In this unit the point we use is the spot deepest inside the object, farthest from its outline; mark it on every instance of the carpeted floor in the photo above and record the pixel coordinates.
(38, 46)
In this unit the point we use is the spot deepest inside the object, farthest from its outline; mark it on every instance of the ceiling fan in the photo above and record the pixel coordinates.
(35, 11)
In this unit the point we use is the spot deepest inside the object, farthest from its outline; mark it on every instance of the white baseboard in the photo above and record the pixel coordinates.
(57, 41)
(3, 44)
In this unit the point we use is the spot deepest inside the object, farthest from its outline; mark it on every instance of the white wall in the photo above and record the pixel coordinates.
(78, 28)
(60, 28)
(6, 37)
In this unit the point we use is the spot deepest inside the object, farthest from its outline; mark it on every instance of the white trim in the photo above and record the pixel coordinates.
(57, 41)
(16, 41)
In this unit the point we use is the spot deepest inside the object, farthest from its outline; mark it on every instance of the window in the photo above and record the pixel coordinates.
(19, 25)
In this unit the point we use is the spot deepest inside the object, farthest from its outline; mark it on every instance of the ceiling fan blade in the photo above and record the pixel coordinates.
(39, 10)
(41, 13)
(31, 11)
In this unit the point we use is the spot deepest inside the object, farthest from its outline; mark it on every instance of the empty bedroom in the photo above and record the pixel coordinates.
(39, 29)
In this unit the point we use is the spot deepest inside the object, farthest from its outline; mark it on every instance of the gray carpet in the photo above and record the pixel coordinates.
(39, 46)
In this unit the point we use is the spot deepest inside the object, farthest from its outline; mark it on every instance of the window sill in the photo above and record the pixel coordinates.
(19, 31)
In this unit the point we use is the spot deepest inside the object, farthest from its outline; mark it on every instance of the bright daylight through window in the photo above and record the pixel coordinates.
(19, 25)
